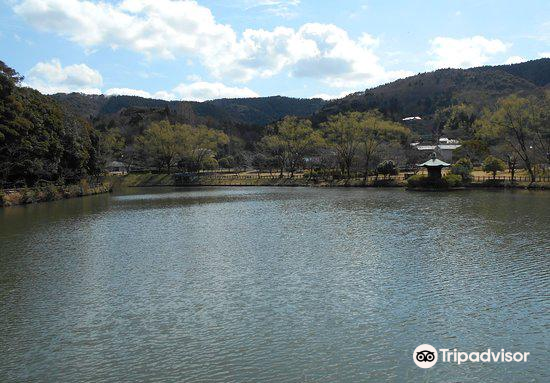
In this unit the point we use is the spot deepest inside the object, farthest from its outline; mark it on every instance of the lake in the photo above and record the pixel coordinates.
(273, 284)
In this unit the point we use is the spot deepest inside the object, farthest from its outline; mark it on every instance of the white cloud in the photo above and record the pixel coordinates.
(196, 91)
(51, 77)
(321, 51)
(544, 55)
(173, 28)
(515, 60)
(193, 78)
(162, 28)
(463, 53)
(282, 8)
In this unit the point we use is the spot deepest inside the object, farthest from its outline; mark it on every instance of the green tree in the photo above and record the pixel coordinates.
(375, 132)
(457, 121)
(164, 144)
(298, 139)
(343, 133)
(493, 165)
(274, 147)
(227, 162)
(512, 163)
(463, 167)
(167, 144)
(387, 168)
(523, 124)
(209, 163)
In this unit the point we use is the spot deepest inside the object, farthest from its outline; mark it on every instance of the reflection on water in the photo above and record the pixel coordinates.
(264, 284)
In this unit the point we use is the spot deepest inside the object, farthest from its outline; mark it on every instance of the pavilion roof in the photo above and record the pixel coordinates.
(434, 162)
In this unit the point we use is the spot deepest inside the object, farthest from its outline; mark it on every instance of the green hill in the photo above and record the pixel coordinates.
(252, 111)
(422, 94)
(419, 95)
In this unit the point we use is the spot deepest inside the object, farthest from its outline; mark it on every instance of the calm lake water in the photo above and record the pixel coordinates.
(273, 284)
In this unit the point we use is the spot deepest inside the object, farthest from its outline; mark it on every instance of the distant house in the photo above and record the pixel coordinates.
(444, 148)
(116, 167)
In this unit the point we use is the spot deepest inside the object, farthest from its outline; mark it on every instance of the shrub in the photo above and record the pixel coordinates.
(422, 181)
(209, 163)
(227, 162)
(493, 182)
(493, 165)
(463, 168)
(452, 180)
(310, 173)
(28, 196)
(50, 192)
(84, 187)
(387, 168)
(384, 182)
(417, 180)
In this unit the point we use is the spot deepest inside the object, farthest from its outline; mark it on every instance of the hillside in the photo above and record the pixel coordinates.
(39, 139)
(423, 94)
(419, 95)
(251, 111)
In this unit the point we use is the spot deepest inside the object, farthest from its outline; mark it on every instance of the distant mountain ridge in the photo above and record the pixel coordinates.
(418, 95)
(423, 94)
(251, 111)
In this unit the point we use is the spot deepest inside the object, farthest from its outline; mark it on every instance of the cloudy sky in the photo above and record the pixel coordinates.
(197, 50)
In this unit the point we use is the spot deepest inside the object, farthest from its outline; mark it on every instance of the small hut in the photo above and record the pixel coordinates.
(434, 167)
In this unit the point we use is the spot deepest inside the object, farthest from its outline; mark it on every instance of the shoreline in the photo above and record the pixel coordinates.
(25, 196)
(158, 180)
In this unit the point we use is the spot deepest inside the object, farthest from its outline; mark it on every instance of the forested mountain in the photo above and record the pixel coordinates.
(423, 94)
(251, 111)
(39, 139)
(419, 95)
(69, 136)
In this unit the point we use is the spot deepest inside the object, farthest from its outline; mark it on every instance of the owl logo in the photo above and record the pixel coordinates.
(425, 356)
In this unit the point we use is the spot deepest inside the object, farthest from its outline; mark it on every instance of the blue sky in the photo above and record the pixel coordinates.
(175, 49)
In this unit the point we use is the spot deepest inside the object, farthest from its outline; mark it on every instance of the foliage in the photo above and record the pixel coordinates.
(39, 140)
(352, 134)
(342, 132)
(452, 180)
(189, 147)
(227, 162)
(475, 149)
(425, 93)
(387, 168)
(463, 168)
(457, 121)
(423, 181)
(209, 163)
(290, 141)
(523, 124)
(493, 165)
(375, 132)
(256, 111)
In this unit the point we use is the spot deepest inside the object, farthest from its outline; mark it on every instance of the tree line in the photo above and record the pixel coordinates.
(514, 133)
(41, 141)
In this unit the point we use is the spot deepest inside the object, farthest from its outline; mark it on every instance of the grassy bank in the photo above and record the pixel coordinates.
(10, 197)
(251, 179)
(149, 179)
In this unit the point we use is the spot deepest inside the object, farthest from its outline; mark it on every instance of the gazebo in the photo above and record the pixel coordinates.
(434, 167)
